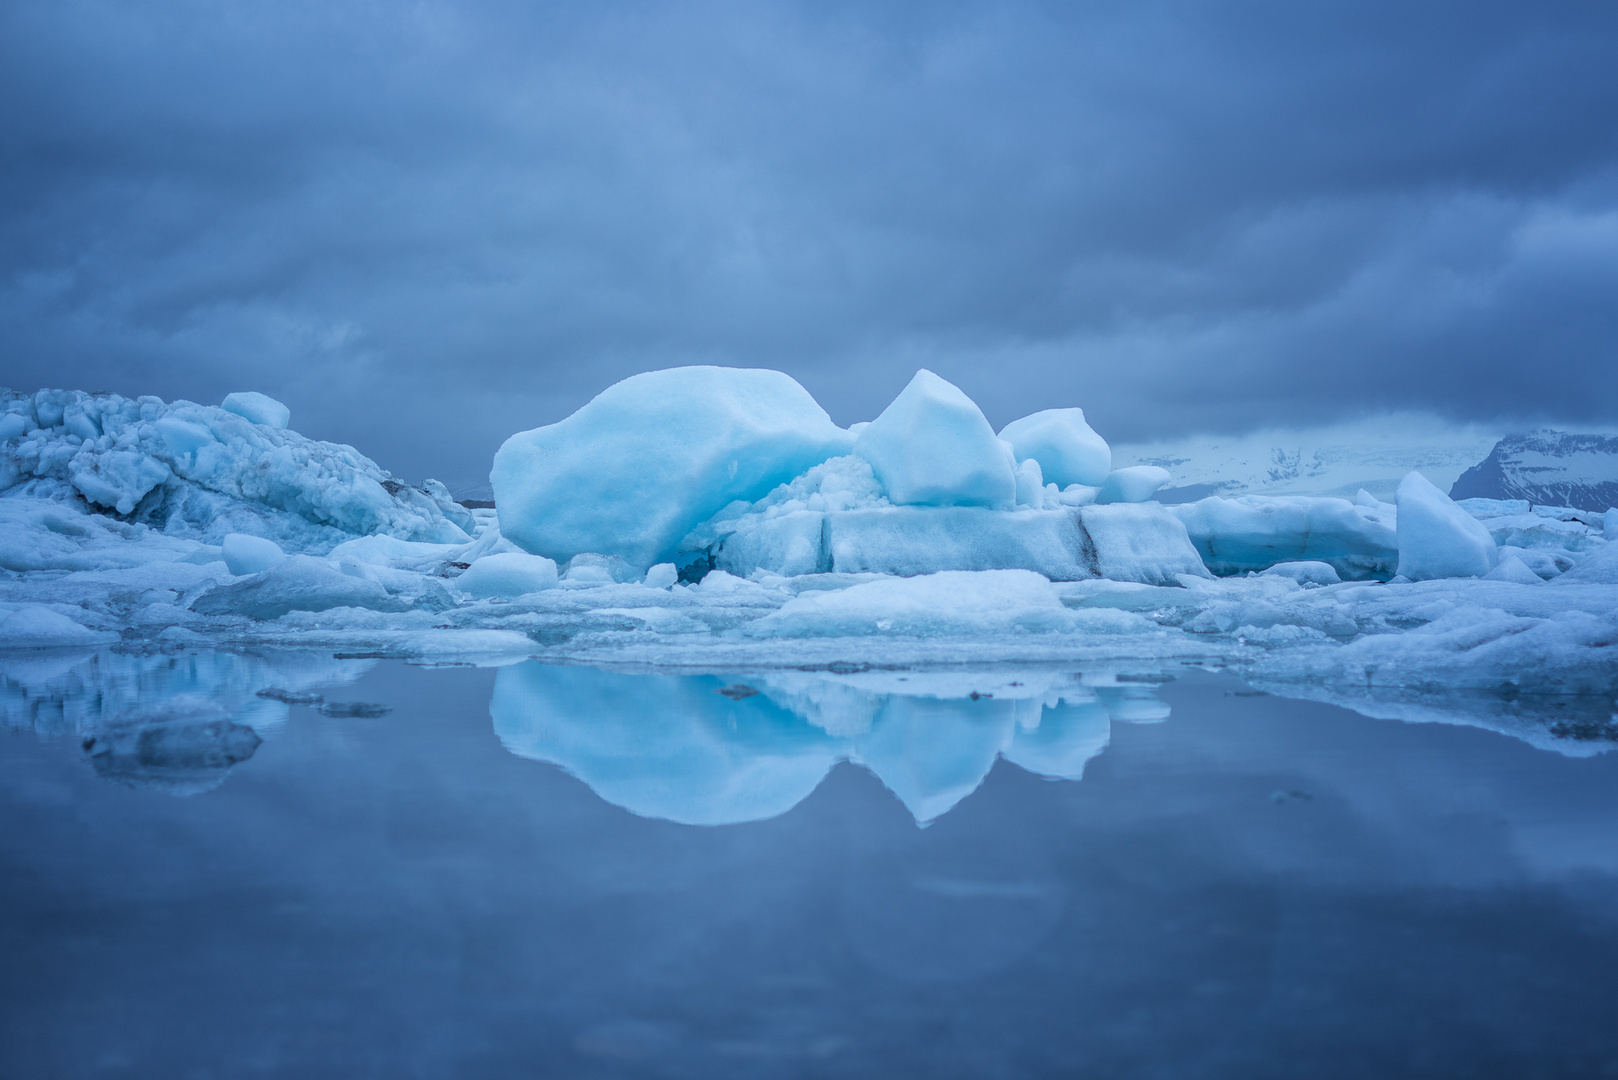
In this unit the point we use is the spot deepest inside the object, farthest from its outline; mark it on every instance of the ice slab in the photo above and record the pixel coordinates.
(1140, 542)
(933, 447)
(634, 470)
(246, 554)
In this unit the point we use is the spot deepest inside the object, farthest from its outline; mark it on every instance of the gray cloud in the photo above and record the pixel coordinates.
(426, 225)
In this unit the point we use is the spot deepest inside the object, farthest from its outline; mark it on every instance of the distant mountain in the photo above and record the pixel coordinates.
(1337, 459)
(1550, 468)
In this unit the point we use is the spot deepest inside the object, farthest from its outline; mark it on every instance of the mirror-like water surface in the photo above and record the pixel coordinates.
(284, 865)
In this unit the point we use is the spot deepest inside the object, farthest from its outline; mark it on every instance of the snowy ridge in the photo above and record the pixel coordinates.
(1547, 468)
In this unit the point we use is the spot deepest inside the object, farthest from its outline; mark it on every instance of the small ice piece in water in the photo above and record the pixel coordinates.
(1437, 539)
(1513, 569)
(1133, 484)
(933, 447)
(1306, 572)
(246, 554)
(651, 457)
(1067, 448)
(508, 574)
(662, 576)
(259, 408)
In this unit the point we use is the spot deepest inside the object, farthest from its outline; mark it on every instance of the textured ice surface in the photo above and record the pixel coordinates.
(933, 447)
(649, 458)
(1437, 539)
(508, 574)
(205, 471)
(258, 408)
(1067, 448)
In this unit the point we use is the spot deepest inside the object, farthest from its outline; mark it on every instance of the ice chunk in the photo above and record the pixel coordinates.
(1258, 531)
(1306, 572)
(246, 554)
(1068, 449)
(1140, 542)
(662, 576)
(259, 408)
(1515, 570)
(637, 468)
(1599, 567)
(1609, 524)
(588, 568)
(1133, 484)
(933, 447)
(1437, 539)
(508, 575)
(299, 583)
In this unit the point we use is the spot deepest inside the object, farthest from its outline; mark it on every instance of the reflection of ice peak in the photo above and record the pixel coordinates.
(707, 750)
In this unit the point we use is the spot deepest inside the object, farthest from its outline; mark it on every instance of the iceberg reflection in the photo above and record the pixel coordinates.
(715, 750)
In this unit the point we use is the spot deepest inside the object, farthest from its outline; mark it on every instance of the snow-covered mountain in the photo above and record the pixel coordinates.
(1339, 459)
(1552, 468)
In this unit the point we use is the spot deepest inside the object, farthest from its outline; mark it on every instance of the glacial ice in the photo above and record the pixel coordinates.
(933, 447)
(813, 561)
(1437, 539)
(204, 472)
(1067, 448)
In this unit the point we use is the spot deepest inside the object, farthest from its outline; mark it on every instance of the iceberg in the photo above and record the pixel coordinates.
(643, 463)
(205, 471)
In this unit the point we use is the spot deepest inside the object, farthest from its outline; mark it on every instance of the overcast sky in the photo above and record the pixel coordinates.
(427, 225)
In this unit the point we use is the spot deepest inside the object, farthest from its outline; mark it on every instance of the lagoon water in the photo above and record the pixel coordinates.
(291, 866)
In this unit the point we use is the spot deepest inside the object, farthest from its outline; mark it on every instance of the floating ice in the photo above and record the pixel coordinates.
(1307, 573)
(1437, 539)
(649, 458)
(1067, 448)
(259, 408)
(933, 447)
(299, 583)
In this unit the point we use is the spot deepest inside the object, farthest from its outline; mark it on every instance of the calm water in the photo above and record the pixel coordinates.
(564, 872)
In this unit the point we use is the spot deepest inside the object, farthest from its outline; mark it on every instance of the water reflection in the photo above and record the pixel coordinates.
(175, 723)
(722, 749)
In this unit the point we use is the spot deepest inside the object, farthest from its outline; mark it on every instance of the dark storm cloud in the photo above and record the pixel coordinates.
(427, 225)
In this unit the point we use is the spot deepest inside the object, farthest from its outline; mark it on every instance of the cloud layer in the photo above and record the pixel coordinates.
(426, 225)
